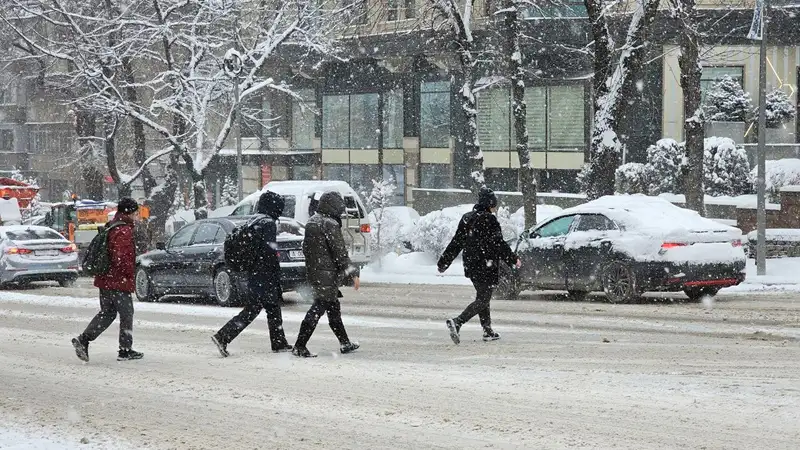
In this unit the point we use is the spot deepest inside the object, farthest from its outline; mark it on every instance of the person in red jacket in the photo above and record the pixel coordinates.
(116, 286)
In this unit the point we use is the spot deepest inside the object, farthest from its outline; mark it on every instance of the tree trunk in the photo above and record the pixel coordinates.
(613, 92)
(691, 72)
(161, 199)
(110, 124)
(139, 139)
(85, 128)
(470, 110)
(527, 177)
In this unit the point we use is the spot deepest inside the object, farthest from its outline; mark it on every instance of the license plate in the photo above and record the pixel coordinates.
(296, 254)
(46, 253)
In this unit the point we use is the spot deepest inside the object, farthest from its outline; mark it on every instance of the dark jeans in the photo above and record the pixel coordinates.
(111, 303)
(480, 307)
(262, 295)
(333, 308)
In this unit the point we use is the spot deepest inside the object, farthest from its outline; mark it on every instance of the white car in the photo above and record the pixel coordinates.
(33, 253)
(301, 199)
(624, 246)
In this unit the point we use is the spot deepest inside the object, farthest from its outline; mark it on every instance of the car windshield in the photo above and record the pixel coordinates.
(32, 235)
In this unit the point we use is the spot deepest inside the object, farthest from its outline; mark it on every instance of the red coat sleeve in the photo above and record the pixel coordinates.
(123, 252)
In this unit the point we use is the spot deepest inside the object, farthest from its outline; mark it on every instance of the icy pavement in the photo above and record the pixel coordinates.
(783, 274)
(565, 374)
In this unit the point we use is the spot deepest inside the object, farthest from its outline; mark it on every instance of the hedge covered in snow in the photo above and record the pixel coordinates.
(780, 173)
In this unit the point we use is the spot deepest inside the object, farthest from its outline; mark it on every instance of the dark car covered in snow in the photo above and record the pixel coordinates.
(625, 246)
(192, 262)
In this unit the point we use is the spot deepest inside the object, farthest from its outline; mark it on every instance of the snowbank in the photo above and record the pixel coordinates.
(777, 234)
(14, 437)
(413, 268)
(780, 173)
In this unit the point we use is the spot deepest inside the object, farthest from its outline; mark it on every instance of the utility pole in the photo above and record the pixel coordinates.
(759, 31)
(233, 66)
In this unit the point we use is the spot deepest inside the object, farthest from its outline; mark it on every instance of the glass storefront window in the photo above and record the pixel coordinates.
(435, 176)
(393, 119)
(303, 119)
(434, 114)
(335, 121)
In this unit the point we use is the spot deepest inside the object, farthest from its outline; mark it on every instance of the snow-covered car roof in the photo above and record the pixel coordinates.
(645, 213)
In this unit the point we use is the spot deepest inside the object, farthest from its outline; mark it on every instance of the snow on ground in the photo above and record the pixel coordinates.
(16, 437)
(783, 274)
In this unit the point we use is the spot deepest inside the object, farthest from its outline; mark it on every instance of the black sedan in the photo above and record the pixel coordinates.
(625, 246)
(192, 262)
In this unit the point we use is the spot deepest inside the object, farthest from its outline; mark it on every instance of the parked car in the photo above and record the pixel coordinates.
(192, 262)
(302, 197)
(32, 253)
(625, 246)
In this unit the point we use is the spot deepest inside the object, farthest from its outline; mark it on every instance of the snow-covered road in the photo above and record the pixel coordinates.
(565, 374)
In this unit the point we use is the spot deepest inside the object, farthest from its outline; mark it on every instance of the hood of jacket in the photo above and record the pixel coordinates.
(331, 204)
(270, 204)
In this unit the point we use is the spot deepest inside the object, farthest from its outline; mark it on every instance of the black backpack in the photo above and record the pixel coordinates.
(241, 246)
(97, 260)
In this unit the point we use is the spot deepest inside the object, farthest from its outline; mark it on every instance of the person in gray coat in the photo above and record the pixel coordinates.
(327, 266)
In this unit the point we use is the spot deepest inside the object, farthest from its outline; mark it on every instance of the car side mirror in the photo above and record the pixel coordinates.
(161, 246)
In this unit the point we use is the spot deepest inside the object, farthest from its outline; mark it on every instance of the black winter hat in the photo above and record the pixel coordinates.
(127, 205)
(486, 198)
(270, 204)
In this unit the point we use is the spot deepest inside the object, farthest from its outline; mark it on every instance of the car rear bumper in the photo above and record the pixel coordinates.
(665, 276)
(292, 275)
(19, 276)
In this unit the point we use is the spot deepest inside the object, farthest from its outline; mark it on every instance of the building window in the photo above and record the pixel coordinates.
(6, 140)
(502, 179)
(350, 121)
(400, 9)
(302, 173)
(5, 95)
(361, 176)
(303, 119)
(337, 172)
(555, 118)
(54, 142)
(555, 10)
(712, 74)
(393, 119)
(256, 118)
(494, 119)
(434, 99)
(396, 174)
(435, 176)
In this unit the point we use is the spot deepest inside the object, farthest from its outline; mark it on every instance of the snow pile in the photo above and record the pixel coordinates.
(394, 225)
(726, 168)
(632, 178)
(726, 101)
(780, 108)
(666, 162)
(413, 268)
(777, 234)
(435, 230)
(780, 173)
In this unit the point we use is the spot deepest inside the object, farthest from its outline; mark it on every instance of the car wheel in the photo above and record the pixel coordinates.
(619, 283)
(696, 294)
(508, 286)
(143, 286)
(225, 287)
(577, 296)
(68, 282)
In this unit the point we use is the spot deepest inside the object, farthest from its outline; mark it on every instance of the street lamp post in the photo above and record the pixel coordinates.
(233, 66)
(758, 31)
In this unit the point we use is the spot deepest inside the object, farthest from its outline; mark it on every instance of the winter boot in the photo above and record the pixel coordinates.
(285, 347)
(81, 349)
(490, 335)
(223, 348)
(454, 327)
(302, 352)
(349, 347)
(127, 354)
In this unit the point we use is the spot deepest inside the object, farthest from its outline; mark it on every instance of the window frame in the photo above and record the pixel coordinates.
(608, 222)
(435, 92)
(200, 227)
(190, 228)
(536, 232)
(706, 83)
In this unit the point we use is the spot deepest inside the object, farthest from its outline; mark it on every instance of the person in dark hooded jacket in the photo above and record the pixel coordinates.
(327, 265)
(263, 280)
(480, 237)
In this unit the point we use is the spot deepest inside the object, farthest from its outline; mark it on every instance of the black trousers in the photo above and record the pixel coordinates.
(333, 309)
(480, 307)
(111, 303)
(263, 295)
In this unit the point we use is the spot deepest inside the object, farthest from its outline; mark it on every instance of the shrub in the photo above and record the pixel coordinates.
(726, 168)
(632, 178)
(666, 162)
(726, 101)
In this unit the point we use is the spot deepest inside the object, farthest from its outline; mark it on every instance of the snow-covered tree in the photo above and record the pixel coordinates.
(435, 230)
(614, 77)
(187, 55)
(632, 178)
(455, 18)
(727, 170)
(230, 192)
(726, 101)
(666, 163)
(780, 108)
(379, 198)
(779, 173)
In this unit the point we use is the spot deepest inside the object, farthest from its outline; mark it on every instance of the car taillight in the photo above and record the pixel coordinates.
(365, 228)
(18, 251)
(71, 248)
(736, 242)
(667, 245)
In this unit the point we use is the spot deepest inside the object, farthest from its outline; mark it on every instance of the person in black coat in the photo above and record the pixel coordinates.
(480, 237)
(263, 280)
